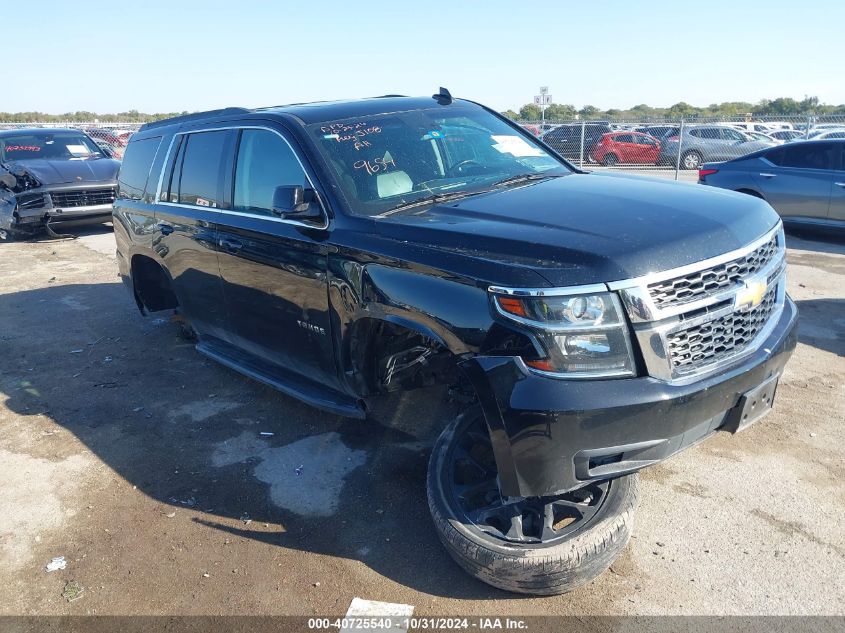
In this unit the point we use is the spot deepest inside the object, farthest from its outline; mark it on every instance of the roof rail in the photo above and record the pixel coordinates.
(193, 116)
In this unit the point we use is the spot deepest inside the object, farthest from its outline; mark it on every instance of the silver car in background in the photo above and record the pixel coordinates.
(706, 143)
(804, 182)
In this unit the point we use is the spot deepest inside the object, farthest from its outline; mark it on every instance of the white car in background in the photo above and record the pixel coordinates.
(827, 133)
(752, 126)
(760, 136)
(785, 136)
(780, 125)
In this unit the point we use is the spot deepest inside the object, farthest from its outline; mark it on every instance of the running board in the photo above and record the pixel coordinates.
(277, 378)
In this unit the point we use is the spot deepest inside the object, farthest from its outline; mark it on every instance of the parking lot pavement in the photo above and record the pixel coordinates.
(172, 485)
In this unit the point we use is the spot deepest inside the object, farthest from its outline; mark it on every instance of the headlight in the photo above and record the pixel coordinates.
(583, 335)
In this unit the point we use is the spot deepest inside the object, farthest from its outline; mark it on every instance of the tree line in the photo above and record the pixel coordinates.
(781, 106)
(132, 116)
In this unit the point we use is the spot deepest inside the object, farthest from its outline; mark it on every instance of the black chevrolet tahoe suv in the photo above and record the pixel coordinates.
(583, 325)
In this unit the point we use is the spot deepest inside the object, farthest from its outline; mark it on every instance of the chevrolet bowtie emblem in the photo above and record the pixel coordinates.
(751, 295)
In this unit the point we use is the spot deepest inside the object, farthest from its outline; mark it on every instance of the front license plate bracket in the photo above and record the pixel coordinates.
(752, 405)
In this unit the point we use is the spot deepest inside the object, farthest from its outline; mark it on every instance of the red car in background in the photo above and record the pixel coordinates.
(114, 140)
(626, 147)
(533, 129)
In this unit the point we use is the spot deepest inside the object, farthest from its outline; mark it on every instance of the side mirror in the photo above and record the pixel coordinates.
(294, 201)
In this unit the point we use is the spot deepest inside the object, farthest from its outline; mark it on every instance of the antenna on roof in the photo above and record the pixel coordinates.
(444, 97)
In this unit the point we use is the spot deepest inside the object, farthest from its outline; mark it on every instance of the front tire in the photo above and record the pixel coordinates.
(543, 551)
(8, 235)
(610, 160)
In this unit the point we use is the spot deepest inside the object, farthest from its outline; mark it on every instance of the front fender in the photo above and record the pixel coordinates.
(452, 311)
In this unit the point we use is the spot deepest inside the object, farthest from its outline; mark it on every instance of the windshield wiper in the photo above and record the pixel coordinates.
(432, 199)
(523, 178)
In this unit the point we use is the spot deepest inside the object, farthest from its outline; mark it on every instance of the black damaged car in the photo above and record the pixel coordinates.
(51, 177)
(578, 326)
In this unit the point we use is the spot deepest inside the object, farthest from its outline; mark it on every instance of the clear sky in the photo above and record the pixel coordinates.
(157, 56)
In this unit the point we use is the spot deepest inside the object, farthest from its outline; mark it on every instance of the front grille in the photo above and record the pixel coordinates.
(701, 345)
(83, 197)
(713, 280)
(30, 201)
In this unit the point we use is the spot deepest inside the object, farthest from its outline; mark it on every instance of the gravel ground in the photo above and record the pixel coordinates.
(147, 467)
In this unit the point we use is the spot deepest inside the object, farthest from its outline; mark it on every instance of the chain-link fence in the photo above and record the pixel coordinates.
(671, 146)
(658, 146)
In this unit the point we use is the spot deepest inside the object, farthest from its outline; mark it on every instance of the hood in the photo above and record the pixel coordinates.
(59, 172)
(591, 228)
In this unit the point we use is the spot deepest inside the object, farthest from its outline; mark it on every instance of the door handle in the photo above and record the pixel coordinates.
(233, 246)
(165, 228)
(764, 175)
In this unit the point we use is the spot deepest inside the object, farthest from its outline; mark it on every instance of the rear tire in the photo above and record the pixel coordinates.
(610, 160)
(691, 160)
(561, 563)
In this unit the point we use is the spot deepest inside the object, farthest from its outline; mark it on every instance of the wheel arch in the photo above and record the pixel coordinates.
(373, 344)
(152, 285)
(751, 192)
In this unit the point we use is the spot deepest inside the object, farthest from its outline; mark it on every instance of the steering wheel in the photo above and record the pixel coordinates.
(458, 168)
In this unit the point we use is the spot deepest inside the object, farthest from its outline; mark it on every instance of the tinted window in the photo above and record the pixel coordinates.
(265, 161)
(563, 132)
(202, 176)
(836, 135)
(623, 138)
(170, 186)
(732, 135)
(135, 170)
(706, 133)
(803, 156)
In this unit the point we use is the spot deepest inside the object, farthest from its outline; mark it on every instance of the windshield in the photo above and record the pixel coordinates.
(388, 161)
(50, 145)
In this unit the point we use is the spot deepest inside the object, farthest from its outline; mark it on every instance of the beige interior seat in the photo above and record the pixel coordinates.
(393, 183)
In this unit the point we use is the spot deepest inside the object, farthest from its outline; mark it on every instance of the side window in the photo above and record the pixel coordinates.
(201, 180)
(695, 133)
(808, 156)
(170, 183)
(135, 169)
(775, 156)
(732, 135)
(265, 161)
(623, 138)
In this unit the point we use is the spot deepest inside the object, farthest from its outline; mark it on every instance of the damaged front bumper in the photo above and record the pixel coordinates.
(34, 209)
(551, 435)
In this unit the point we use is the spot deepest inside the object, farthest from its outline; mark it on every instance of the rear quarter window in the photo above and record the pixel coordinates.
(135, 169)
